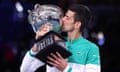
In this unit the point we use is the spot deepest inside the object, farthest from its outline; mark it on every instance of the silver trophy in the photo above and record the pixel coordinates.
(45, 14)
(52, 41)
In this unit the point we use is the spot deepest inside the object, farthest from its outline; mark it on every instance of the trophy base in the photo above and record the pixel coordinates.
(42, 55)
(51, 43)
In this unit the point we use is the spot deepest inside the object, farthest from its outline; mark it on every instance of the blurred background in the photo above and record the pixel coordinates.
(16, 33)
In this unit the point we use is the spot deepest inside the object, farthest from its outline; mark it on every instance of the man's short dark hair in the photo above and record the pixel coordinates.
(82, 14)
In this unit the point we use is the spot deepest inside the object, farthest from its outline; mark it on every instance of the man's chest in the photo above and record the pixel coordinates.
(79, 53)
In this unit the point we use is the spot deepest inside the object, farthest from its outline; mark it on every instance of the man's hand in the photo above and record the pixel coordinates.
(58, 61)
(42, 31)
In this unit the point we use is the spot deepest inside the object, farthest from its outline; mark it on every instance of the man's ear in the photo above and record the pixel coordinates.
(77, 25)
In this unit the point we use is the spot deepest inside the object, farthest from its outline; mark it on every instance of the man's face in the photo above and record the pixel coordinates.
(67, 22)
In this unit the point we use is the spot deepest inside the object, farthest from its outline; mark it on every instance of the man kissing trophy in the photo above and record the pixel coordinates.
(52, 41)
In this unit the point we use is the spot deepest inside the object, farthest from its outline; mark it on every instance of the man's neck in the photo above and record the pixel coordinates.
(74, 35)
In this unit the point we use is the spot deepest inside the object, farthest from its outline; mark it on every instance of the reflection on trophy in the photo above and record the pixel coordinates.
(52, 41)
(45, 14)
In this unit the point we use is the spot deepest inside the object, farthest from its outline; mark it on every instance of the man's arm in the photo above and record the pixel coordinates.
(30, 63)
(93, 60)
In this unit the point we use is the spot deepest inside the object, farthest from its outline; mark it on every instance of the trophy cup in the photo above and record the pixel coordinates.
(51, 42)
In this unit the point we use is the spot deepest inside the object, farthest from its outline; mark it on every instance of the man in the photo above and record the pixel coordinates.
(85, 54)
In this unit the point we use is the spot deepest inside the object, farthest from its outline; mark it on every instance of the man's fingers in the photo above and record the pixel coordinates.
(53, 55)
(50, 58)
(44, 28)
(42, 31)
(54, 64)
(56, 57)
(53, 61)
(58, 54)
